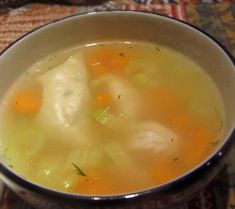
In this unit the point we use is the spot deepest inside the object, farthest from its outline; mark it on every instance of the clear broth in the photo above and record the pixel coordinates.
(110, 118)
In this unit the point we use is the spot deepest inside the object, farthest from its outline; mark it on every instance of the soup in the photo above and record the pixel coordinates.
(110, 118)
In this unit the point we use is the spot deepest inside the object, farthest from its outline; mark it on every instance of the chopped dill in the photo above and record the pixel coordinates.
(52, 57)
(6, 158)
(215, 143)
(3, 152)
(67, 93)
(172, 140)
(175, 159)
(79, 171)
(119, 96)
(49, 67)
(157, 48)
(221, 123)
(11, 166)
(122, 55)
(100, 115)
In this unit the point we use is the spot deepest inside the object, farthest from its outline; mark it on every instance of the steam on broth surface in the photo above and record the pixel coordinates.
(110, 118)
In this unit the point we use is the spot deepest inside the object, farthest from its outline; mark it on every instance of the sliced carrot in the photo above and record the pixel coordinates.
(91, 185)
(113, 60)
(195, 137)
(172, 113)
(98, 69)
(117, 64)
(181, 123)
(166, 100)
(26, 102)
(196, 147)
(163, 172)
(108, 58)
(163, 103)
(103, 100)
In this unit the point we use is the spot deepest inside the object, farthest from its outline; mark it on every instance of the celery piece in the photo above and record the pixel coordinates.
(77, 157)
(85, 157)
(140, 79)
(48, 173)
(15, 159)
(70, 182)
(101, 115)
(94, 157)
(97, 82)
(27, 137)
(23, 142)
(31, 140)
(46, 169)
(117, 153)
(141, 66)
(107, 119)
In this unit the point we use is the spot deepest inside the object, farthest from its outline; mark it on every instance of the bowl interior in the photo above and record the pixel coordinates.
(126, 26)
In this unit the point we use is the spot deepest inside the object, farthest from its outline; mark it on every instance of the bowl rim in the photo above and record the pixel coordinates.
(209, 161)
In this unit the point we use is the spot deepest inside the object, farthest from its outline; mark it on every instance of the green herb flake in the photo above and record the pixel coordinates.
(122, 55)
(221, 123)
(52, 57)
(215, 143)
(102, 114)
(79, 171)
(157, 48)
(172, 140)
(175, 159)
(140, 79)
(119, 96)
(67, 93)
(4, 153)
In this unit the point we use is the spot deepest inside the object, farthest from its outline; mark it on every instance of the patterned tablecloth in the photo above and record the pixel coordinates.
(215, 17)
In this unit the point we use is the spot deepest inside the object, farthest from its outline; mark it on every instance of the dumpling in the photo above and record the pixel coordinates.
(123, 93)
(127, 104)
(65, 96)
(154, 137)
